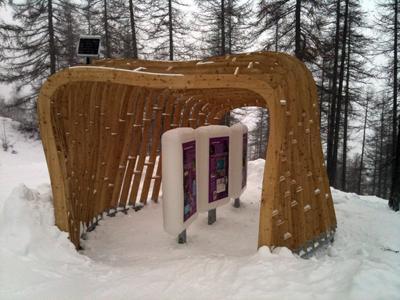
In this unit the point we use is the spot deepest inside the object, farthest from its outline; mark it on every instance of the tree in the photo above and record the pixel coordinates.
(225, 26)
(168, 33)
(117, 24)
(258, 137)
(388, 24)
(379, 148)
(361, 167)
(67, 37)
(35, 46)
(297, 25)
(356, 72)
(332, 104)
(132, 22)
(395, 188)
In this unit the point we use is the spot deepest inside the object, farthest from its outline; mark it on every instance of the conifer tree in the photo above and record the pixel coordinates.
(379, 148)
(354, 75)
(110, 20)
(168, 33)
(388, 24)
(297, 26)
(225, 26)
(36, 46)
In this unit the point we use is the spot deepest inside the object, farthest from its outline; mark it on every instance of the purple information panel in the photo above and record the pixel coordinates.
(189, 179)
(244, 160)
(218, 168)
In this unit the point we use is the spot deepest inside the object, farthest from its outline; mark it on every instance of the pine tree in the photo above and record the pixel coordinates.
(356, 73)
(258, 137)
(225, 26)
(388, 25)
(168, 33)
(361, 166)
(296, 24)
(395, 188)
(29, 44)
(336, 124)
(117, 24)
(40, 41)
(379, 146)
(67, 37)
(332, 102)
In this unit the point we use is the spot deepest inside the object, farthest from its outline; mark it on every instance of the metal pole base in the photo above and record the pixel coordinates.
(236, 203)
(212, 216)
(182, 237)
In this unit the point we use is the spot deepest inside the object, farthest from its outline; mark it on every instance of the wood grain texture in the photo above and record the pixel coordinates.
(101, 127)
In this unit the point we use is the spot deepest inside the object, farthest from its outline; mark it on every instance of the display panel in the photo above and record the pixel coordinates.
(189, 179)
(218, 168)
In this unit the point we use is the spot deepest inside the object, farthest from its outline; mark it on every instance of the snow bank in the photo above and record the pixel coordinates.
(26, 165)
(27, 225)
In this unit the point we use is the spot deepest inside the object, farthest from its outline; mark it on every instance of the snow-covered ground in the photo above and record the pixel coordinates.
(131, 257)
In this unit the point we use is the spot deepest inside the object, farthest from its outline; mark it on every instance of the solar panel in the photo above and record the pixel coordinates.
(89, 46)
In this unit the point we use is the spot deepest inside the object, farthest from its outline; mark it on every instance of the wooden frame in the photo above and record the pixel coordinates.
(101, 127)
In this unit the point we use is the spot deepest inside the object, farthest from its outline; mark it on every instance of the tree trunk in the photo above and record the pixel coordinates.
(363, 148)
(374, 178)
(381, 153)
(106, 33)
(52, 47)
(170, 28)
(395, 189)
(298, 45)
(276, 35)
(133, 31)
(88, 16)
(229, 26)
(222, 50)
(332, 107)
(386, 173)
(321, 96)
(346, 113)
(395, 154)
(339, 101)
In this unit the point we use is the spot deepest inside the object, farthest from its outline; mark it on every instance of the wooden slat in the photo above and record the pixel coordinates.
(137, 174)
(134, 146)
(158, 107)
(166, 122)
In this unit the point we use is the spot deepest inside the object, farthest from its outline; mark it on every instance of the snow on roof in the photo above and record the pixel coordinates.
(137, 70)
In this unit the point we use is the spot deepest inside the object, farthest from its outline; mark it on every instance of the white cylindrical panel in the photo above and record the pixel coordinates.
(179, 186)
(212, 144)
(238, 159)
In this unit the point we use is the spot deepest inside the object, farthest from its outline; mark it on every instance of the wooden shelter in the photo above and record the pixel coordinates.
(101, 128)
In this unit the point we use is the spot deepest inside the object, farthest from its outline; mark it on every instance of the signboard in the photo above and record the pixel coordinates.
(218, 168)
(89, 46)
(189, 179)
(244, 161)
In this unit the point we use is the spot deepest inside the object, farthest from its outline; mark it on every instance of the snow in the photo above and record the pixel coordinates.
(137, 70)
(27, 166)
(130, 256)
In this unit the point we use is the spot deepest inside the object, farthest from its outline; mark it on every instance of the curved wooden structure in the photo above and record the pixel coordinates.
(101, 128)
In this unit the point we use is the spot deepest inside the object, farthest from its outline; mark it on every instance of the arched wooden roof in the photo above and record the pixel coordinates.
(101, 128)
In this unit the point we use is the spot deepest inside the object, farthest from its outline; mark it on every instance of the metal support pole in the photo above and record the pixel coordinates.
(236, 203)
(212, 216)
(88, 60)
(182, 237)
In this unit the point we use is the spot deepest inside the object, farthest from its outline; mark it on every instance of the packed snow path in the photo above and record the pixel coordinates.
(130, 256)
